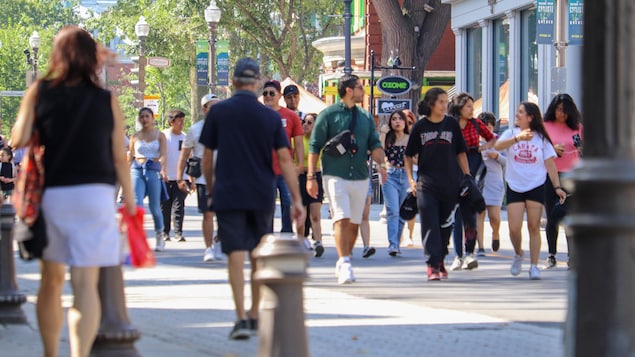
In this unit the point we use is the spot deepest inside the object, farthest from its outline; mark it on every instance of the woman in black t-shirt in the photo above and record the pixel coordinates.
(6, 172)
(438, 141)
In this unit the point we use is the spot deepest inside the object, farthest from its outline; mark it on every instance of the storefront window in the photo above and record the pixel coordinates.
(529, 57)
(501, 69)
(474, 65)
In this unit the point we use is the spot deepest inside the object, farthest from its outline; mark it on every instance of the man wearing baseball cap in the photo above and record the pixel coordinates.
(240, 181)
(291, 123)
(291, 96)
(192, 148)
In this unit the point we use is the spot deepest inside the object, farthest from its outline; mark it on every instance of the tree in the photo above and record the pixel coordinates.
(398, 34)
(280, 33)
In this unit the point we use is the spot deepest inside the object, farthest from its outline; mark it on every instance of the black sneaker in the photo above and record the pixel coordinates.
(368, 252)
(240, 331)
(496, 245)
(318, 249)
(551, 262)
(480, 252)
(253, 326)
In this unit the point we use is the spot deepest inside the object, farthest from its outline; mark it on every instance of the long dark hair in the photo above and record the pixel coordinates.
(390, 135)
(73, 57)
(429, 99)
(536, 124)
(568, 107)
(457, 104)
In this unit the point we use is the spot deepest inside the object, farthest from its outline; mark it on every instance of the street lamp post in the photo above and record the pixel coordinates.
(34, 42)
(142, 29)
(212, 16)
(347, 37)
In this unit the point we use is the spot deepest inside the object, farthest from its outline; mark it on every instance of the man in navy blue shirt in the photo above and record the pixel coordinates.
(240, 184)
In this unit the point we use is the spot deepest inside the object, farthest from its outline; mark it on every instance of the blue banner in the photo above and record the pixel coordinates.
(222, 63)
(576, 22)
(202, 63)
(545, 21)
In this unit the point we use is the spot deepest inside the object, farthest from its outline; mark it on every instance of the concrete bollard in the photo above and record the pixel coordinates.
(11, 299)
(281, 269)
(116, 336)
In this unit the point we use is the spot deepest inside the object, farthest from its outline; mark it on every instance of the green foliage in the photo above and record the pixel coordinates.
(18, 19)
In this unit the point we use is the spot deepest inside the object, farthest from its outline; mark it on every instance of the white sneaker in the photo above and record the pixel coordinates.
(218, 250)
(517, 265)
(345, 275)
(307, 244)
(209, 255)
(338, 265)
(470, 262)
(456, 264)
(160, 245)
(410, 243)
(534, 272)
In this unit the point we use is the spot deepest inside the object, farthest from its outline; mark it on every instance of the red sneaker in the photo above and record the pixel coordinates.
(433, 273)
(443, 273)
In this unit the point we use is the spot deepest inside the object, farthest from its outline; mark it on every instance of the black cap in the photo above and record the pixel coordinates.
(247, 70)
(273, 83)
(291, 89)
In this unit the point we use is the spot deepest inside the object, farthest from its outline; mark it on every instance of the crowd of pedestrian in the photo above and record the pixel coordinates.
(240, 153)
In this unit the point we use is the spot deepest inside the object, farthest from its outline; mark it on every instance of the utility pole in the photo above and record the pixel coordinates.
(347, 37)
(601, 320)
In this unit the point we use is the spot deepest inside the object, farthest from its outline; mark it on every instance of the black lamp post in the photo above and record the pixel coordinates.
(347, 37)
(34, 42)
(212, 16)
(142, 29)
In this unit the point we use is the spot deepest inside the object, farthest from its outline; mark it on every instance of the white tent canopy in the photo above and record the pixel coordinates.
(309, 103)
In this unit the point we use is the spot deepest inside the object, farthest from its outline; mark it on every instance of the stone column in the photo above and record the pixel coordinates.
(601, 319)
(11, 299)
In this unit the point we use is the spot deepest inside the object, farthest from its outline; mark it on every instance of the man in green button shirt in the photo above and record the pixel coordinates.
(346, 177)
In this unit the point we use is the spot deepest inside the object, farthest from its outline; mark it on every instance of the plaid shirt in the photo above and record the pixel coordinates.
(471, 136)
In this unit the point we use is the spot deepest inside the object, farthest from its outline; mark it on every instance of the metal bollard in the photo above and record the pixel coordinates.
(281, 269)
(116, 336)
(11, 299)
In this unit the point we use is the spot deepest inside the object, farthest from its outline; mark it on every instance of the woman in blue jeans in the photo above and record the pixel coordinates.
(396, 186)
(147, 162)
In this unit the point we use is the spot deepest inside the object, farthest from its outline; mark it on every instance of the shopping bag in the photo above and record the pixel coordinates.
(141, 255)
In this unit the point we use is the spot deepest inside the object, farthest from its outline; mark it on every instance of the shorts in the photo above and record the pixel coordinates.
(346, 197)
(201, 195)
(242, 230)
(306, 199)
(537, 195)
(81, 226)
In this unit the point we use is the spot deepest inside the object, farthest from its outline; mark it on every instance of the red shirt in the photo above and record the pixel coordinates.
(292, 124)
(471, 137)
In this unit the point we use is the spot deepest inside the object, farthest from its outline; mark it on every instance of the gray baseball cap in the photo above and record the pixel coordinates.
(247, 70)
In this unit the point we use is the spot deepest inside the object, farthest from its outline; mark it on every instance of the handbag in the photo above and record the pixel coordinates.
(408, 209)
(343, 142)
(141, 255)
(194, 167)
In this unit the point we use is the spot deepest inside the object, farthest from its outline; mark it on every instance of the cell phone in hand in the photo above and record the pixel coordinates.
(577, 141)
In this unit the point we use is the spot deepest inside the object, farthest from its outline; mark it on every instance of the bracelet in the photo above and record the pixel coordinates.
(557, 188)
(515, 139)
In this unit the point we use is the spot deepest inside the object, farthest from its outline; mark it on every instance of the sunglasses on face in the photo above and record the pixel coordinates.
(307, 122)
(268, 93)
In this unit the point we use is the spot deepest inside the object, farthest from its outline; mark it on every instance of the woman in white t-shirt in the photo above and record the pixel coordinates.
(530, 157)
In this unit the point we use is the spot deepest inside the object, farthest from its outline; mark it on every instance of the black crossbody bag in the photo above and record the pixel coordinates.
(343, 142)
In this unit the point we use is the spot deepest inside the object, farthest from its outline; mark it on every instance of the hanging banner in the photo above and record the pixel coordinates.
(545, 21)
(576, 22)
(222, 63)
(202, 63)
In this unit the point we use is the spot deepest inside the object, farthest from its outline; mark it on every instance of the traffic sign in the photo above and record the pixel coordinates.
(12, 93)
(158, 62)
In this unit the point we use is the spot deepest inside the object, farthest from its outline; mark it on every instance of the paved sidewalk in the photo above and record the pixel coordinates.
(183, 307)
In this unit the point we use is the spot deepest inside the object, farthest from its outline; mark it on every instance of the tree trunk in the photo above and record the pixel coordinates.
(399, 36)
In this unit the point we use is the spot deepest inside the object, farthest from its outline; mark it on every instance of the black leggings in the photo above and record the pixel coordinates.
(436, 218)
(553, 223)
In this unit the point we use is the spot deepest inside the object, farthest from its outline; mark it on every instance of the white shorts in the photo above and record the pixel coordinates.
(346, 197)
(81, 225)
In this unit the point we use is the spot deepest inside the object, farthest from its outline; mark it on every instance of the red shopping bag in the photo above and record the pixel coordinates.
(141, 255)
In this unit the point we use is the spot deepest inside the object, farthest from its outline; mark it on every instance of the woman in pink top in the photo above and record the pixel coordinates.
(563, 123)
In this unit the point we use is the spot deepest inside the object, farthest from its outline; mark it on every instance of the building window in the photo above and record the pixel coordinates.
(474, 68)
(501, 69)
(529, 57)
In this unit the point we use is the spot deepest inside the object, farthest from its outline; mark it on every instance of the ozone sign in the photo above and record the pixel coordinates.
(394, 85)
